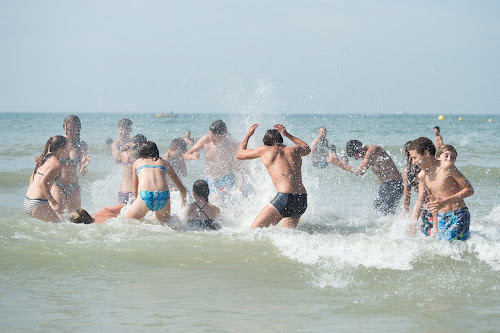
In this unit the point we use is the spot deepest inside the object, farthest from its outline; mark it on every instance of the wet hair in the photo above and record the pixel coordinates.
(437, 127)
(411, 170)
(80, 216)
(352, 147)
(178, 144)
(200, 187)
(78, 126)
(218, 127)
(109, 141)
(51, 146)
(125, 123)
(421, 145)
(445, 148)
(272, 138)
(138, 140)
(148, 149)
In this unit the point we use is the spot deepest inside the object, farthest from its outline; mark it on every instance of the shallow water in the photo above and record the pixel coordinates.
(343, 268)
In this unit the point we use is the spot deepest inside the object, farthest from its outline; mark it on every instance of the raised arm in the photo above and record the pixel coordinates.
(85, 159)
(304, 149)
(248, 154)
(193, 152)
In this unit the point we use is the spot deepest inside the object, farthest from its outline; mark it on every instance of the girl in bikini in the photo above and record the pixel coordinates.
(150, 184)
(128, 155)
(39, 202)
(67, 190)
(201, 213)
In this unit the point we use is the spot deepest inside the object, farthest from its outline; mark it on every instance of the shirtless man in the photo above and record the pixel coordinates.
(188, 139)
(388, 176)
(105, 214)
(124, 130)
(447, 189)
(319, 150)
(439, 139)
(221, 165)
(284, 165)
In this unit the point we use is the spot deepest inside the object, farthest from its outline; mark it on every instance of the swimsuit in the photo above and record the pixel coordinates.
(290, 204)
(30, 204)
(70, 161)
(207, 223)
(389, 194)
(67, 189)
(127, 162)
(150, 166)
(155, 200)
(222, 186)
(125, 197)
(454, 225)
(427, 222)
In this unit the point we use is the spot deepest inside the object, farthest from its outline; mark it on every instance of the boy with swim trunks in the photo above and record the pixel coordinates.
(284, 165)
(447, 189)
(382, 165)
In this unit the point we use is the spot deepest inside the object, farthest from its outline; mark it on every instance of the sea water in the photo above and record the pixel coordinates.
(344, 268)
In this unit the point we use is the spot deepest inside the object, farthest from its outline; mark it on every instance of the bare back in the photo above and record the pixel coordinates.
(382, 165)
(284, 165)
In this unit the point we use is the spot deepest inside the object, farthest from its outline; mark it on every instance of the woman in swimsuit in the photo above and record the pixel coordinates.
(150, 184)
(201, 213)
(39, 202)
(67, 190)
(128, 155)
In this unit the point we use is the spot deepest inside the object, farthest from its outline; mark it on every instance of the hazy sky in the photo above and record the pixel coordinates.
(250, 56)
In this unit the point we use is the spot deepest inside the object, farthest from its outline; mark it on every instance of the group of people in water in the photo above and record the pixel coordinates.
(148, 178)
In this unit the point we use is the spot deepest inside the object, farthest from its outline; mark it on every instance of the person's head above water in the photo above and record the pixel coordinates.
(218, 131)
(437, 130)
(138, 140)
(81, 216)
(178, 145)
(200, 188)
(353, 148)
(421, 145)
(149, 149)
(53, 145)
(272, 138)
(447, 153)
(322, 132)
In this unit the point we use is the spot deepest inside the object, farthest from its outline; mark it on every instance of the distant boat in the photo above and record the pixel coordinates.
(166, 115)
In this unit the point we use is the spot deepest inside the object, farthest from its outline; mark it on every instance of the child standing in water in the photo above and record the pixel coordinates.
(447, 189)
(128, 155)
(201, 213)
(175, 156)
(39, 202)
(75, 160)
(150, 184)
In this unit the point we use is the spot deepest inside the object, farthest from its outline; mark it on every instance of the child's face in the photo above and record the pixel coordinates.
(416, 158)
(448, 156)
(124, 131)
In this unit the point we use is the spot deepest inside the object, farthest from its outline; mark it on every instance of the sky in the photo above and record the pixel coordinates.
(221, 56)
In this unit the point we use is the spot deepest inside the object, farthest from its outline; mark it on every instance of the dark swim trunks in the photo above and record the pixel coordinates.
(290, 204)
(389, 194)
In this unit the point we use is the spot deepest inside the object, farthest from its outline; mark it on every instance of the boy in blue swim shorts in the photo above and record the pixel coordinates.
(447, 188)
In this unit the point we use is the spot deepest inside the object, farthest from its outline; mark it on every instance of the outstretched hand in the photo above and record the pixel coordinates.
(251, 129)
(332, 157)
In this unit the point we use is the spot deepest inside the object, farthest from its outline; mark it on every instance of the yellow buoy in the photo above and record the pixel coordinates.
(441, 117)
(490, 120)
(460, 119)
